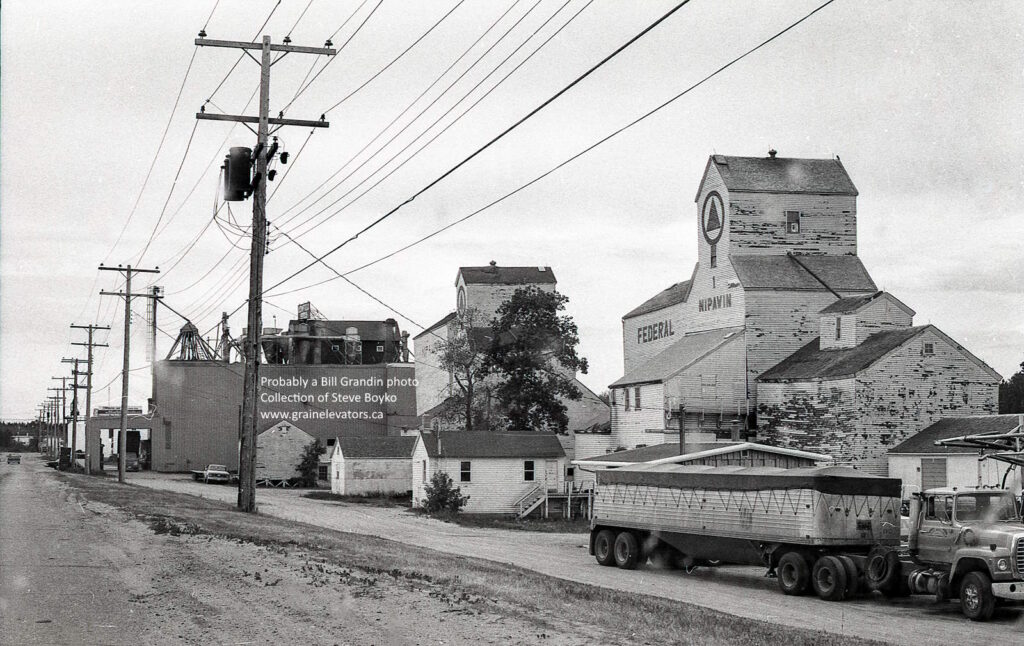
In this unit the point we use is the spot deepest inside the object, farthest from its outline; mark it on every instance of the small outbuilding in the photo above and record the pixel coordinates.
(279, 451)
(371, 465)
(921, 464)
(502, 473)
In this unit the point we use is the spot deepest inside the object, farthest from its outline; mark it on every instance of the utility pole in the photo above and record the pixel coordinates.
(90, 344)
(122, 440)
(74, 407)
(51, 441)
(63, 413)
(155, 294)
(250, 393)
(40, 414)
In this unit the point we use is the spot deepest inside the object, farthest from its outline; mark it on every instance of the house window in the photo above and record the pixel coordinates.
(792, 221)
(464, 472)
(636, 397)
(714, 257)
(321, 472)
(626, 391)
(424, 469)
(839, 327)
(337, 473)
(528, 470)
(929, 349)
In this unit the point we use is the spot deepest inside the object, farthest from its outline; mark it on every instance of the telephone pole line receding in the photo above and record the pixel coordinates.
(90, 344)
(261, 155)
(122, 440)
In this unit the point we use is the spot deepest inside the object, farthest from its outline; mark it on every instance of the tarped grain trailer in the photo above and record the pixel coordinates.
(831, 529)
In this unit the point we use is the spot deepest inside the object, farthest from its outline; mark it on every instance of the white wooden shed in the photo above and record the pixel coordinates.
(371, 465)
(502, 473)
(278, 453)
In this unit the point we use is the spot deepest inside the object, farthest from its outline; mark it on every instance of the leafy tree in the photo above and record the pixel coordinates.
(1011, 393)
(463, 354)
(309, 467)
(443, 495)
(534, 360)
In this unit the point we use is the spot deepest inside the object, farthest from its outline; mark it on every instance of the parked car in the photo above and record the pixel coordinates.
(216, 473)
(13, 458)
(131, 462)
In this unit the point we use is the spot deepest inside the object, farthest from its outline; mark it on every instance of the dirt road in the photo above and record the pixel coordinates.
(741, 591)
(74, 571)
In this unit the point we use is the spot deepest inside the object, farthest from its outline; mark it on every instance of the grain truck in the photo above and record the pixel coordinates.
(833, 530)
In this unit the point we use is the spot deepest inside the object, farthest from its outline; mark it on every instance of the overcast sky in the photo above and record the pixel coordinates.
(921, 100)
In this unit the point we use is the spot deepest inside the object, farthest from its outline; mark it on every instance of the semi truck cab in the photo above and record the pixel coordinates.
(972, 543)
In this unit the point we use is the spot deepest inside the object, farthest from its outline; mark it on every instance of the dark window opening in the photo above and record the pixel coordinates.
(464, 472)
(528, 470)
(793, 221)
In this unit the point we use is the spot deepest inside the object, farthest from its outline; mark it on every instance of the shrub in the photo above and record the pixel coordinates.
(443, 495)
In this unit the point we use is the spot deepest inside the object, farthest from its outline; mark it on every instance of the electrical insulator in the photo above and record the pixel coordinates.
(237, 172)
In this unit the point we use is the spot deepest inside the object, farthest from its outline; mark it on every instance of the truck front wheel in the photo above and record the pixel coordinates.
(604, 544)
(794, 573)
(627, 550)
(976, 599)
(829, 578)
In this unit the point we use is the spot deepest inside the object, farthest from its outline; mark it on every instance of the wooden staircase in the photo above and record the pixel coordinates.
(531, 500)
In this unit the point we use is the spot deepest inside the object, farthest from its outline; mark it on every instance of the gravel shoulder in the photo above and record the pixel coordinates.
(741, 591)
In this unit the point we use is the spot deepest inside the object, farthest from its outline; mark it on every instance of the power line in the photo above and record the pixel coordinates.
(490, 143)
(393, 121)
(567, 161)
(440, 118)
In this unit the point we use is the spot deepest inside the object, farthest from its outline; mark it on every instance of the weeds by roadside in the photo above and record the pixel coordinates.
(398, 500)
(504, 521)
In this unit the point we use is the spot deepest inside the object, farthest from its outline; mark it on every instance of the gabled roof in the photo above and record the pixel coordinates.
(811, 362)
(785, 272)
(376, 447)
(444, 321)
(852, 304)
(781, 175)
(947, 427)
(679, 356)
(495, 275)
(484, 444)
(673, 295)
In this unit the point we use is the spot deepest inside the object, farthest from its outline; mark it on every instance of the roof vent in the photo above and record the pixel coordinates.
(494, 264)
(541, 268)
(772, 153)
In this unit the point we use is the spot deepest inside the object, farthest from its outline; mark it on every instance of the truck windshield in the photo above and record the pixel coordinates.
(988, 507)
(217, 467)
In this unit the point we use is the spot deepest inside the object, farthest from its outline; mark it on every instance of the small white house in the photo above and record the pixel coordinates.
(920, 464)
(279, 451)
(496, 470)
(371, 465)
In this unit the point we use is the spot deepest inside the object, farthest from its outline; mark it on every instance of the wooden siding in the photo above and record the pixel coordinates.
(881, 315)
(631, 426)
(858, 419)
(485, 299)
(496, 484)
(637, 349)
(962, 470)
(433, 383)
(907, 391)
(778, 324)
(828, 223)
(370, 476)
(279, 451)
(847, 331)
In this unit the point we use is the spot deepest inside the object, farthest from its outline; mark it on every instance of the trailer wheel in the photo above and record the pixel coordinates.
(794, 573)
(604, 544)
(852, 577)
(627, 551)
(976, 599)
(882, 571)
(829, 578)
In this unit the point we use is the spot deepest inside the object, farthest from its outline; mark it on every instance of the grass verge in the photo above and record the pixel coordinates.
(504, 521)
(547, 601)
(401, 500)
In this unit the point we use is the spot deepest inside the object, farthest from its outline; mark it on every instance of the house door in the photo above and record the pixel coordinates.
(551, 474)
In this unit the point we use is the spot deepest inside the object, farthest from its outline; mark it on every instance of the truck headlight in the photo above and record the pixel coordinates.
(1002, 565)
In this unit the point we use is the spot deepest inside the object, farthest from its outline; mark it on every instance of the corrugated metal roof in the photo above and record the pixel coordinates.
(784, 175)
(484, 444)
(495, 275)
(679, 356)
(376, 447)
(673, 295)
(947, 427)
(656, 452)
(841, 273)
(811, 362)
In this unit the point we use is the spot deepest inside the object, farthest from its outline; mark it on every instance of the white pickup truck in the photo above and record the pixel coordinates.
(213, 473)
